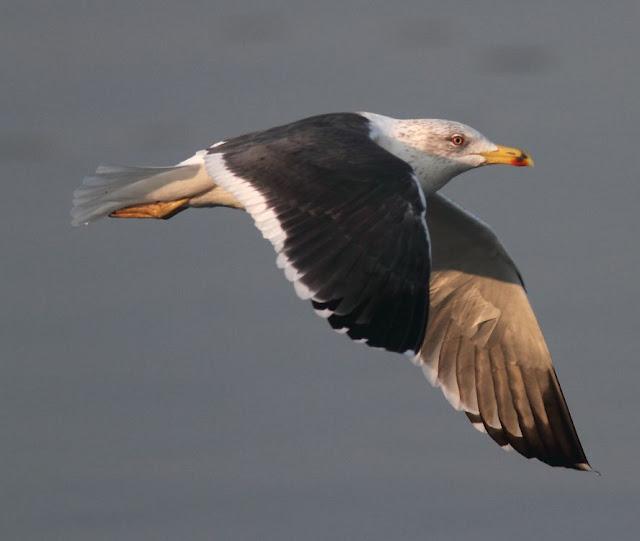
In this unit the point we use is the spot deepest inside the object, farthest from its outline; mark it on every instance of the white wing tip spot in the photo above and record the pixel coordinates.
(324, 313)
(431, 374)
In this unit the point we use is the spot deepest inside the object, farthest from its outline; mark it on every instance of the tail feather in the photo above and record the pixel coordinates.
(113, 187)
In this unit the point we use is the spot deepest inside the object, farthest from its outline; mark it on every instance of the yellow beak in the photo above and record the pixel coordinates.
(507, 156)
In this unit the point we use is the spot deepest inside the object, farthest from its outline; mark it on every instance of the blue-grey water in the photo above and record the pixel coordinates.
(160, 380)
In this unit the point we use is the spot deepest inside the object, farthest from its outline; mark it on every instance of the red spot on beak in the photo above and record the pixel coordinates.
(520, 161)
(508, 156)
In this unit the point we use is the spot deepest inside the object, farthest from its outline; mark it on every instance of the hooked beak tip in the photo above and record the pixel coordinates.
(507, 156)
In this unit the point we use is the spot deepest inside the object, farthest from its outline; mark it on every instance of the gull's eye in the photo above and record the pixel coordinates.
(457, 139)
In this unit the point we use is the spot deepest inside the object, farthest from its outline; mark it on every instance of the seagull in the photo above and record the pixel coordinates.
(350, 203)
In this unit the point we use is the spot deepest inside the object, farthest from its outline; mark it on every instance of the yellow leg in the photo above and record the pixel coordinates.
(159, 210)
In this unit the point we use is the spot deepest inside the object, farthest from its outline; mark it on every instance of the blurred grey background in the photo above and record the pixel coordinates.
(160, 380)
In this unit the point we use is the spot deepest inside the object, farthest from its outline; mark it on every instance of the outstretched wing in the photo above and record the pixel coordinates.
(484, 347)
(346, 217)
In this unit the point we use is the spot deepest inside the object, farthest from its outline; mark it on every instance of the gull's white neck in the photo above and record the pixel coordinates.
(404, 138)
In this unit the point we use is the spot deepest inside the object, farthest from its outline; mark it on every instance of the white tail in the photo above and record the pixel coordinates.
(114, 187)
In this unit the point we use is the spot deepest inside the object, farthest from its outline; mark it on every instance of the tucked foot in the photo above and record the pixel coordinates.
(159, 210)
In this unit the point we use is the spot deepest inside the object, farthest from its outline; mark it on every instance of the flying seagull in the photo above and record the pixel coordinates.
(349, 202)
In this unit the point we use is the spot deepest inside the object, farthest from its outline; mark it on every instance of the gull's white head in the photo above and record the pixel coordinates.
(439, 150)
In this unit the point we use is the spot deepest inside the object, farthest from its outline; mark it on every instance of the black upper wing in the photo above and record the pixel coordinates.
(346, 217)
